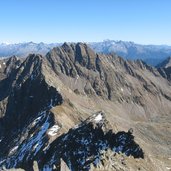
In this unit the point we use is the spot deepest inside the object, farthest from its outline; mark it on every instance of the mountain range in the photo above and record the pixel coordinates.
(24, 49)
(92, 111)
(151, 54)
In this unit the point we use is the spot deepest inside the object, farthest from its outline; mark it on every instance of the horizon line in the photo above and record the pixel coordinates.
(87, 42)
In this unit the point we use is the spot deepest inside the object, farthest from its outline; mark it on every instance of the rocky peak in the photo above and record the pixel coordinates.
(72, 53)
(8, 65)
(32, 62)
(103, 75)
(66, 46)
(85, 56)
(34, 58)
(28, 93)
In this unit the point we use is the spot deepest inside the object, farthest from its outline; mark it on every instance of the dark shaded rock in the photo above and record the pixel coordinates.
(82, 145)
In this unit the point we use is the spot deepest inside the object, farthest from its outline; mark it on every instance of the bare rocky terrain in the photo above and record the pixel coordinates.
(77, 105)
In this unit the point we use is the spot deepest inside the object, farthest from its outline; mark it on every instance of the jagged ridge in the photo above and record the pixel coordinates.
(79, 147)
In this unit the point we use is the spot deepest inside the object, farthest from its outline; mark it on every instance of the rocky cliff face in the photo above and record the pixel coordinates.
(109, 77)
(44, 99)
(165, 68)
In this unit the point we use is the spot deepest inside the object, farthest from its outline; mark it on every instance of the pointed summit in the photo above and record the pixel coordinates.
(85, 55)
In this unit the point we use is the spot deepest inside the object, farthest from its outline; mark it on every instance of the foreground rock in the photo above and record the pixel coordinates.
(79, 147)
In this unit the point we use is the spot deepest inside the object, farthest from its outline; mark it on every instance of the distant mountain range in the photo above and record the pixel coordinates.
(24, 49)
(151, 54)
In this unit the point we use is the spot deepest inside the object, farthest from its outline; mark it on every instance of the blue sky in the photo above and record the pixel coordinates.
(141, 21)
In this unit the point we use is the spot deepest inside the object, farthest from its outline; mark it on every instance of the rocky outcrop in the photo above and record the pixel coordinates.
(164, 68)
(8, 69)
(79, 147)
(82, 145)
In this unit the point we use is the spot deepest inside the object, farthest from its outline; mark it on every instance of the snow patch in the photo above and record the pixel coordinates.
(46, 148)
(77, 77)
(4, 63)
(53, 130)
(35, 146)
(76, 126)
(13, 150)
(36, 120)
(98, 118)
(58, 89)
(122, 89)
(17, 66)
